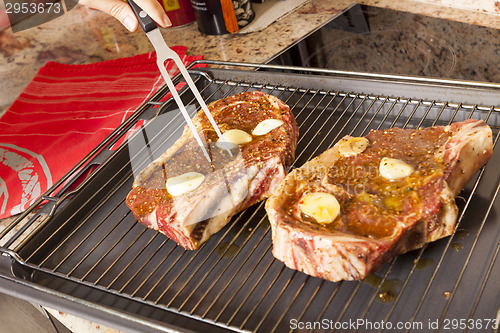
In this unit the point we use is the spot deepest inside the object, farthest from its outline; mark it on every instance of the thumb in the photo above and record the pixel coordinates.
(116, 8)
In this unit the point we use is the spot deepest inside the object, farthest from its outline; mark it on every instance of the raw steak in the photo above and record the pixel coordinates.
(370, 207)
(227, 185)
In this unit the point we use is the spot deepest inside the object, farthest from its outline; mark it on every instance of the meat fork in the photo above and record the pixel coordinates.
(164, 53)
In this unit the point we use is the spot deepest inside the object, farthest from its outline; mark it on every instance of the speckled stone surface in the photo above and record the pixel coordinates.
(401, 43)
(491, 7)
(84, 36)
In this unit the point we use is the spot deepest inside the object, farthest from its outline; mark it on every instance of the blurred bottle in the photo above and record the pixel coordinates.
(218, 17)
(180, 12)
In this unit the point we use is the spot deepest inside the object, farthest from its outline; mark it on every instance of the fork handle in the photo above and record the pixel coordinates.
(145, 21)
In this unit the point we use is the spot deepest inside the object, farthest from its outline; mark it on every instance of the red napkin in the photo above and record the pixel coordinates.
(62, 115)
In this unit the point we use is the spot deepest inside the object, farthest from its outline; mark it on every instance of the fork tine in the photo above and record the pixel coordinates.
(175, 57)
(180, 104)
(163, 53)
(180, 65)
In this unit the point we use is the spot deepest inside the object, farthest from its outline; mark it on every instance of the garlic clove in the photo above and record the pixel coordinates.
(394, 169)
(323, 207)
(353, 146)
(184, 183)
(235, 137)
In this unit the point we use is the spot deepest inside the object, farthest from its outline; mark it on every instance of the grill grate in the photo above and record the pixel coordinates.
(90, 246)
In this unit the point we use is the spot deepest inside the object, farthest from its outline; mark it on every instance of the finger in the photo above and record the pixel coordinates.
(116, 8)
(154, 9)
(122, 11)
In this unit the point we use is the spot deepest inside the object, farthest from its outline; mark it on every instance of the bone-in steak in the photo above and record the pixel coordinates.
(353, 208)
(187, 198)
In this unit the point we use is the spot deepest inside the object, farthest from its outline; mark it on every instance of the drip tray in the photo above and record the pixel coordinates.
(87, 254)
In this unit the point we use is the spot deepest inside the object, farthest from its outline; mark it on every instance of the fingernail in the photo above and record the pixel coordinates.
(166, 21)
(130, 23)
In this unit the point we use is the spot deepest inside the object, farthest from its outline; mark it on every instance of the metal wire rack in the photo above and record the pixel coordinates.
(84, 250)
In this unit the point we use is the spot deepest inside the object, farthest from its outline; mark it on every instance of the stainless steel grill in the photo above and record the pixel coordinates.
(84, 252)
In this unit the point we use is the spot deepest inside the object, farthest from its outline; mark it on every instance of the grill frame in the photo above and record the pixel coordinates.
(25, 274)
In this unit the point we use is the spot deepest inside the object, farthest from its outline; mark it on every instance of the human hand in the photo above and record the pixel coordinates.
(123, 13)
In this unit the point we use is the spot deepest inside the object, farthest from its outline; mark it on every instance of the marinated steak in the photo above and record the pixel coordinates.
(187, 198)
(367, 199)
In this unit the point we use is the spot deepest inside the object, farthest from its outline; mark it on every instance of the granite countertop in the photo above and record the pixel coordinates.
(24, 52)
(85, 36)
